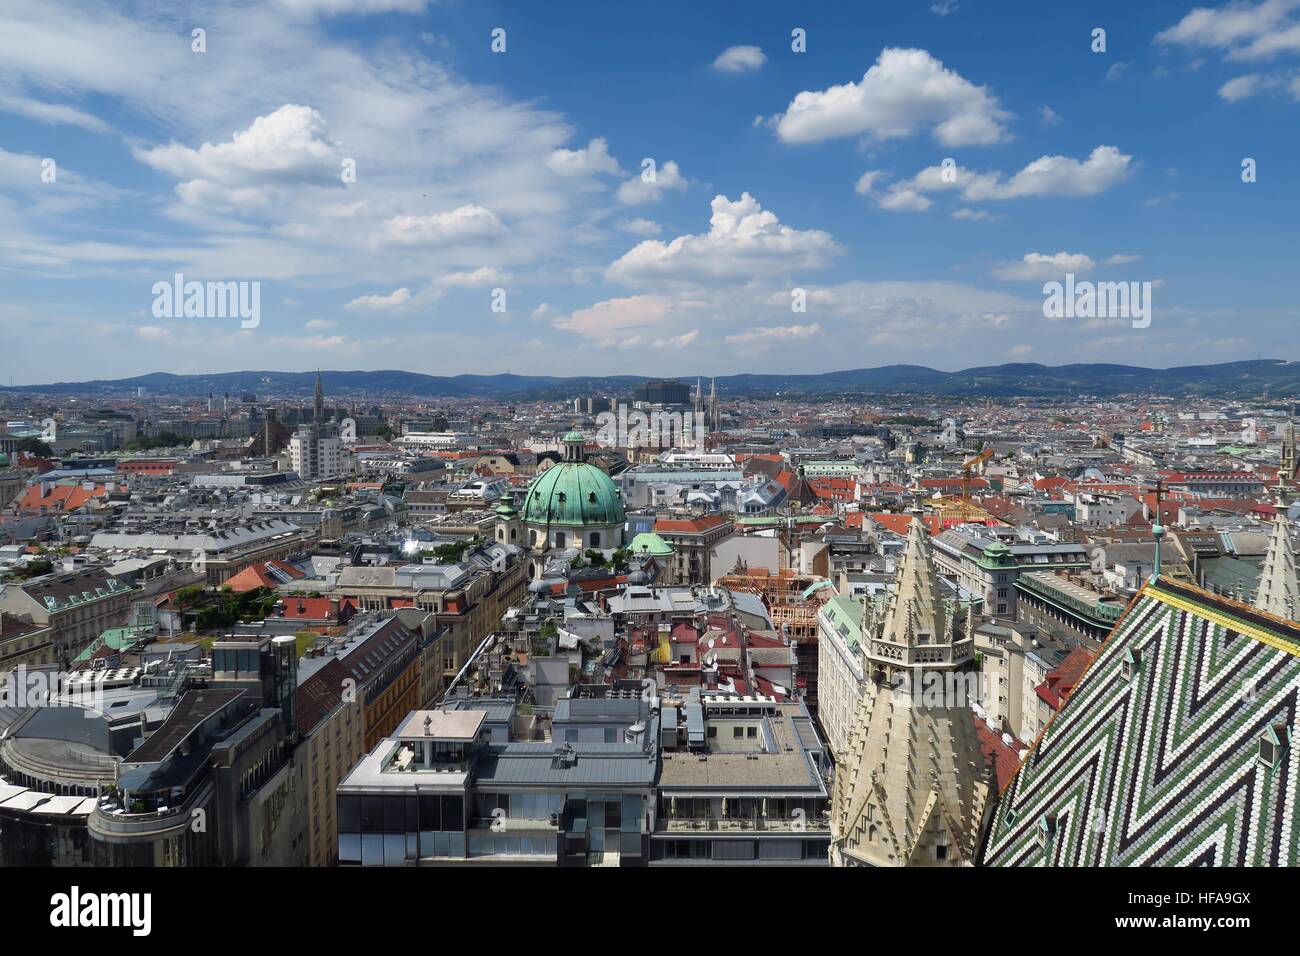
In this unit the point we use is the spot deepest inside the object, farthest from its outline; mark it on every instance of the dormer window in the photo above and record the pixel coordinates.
(1129, 666)
(1272, 745)
(1046, 829)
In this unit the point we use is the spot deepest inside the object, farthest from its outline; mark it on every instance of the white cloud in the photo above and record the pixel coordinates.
(1240, 88)
(765, 338)
(465, 223)
(641, 227)
(477, 279)
(739, 59)
(286, 146)
(395, 301)
(637, 190)
(592, 159)
(331, 8)
(902, 93)
(943, 8)
(1036, 266)
(1104, 168)
(744, 241)
(867, 180)
(319, 325)
(903, 198)
(1049, 117)
(616, 316)
(972, 215)
(1244, 31)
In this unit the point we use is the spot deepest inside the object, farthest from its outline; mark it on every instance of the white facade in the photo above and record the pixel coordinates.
(317, 458)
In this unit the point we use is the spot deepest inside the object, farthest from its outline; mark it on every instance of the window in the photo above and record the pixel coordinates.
(751, 732)
(738, 732)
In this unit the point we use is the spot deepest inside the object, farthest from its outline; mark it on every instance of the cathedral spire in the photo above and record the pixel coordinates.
(912, 787)
(918, 607)
(319, 401)
(1279, 592)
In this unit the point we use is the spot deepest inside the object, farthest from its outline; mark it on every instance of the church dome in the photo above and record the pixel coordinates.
(573, 493)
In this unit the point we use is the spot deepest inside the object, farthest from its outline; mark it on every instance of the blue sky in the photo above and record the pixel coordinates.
(516, 177)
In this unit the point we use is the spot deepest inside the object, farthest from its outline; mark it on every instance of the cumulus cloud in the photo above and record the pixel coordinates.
(592, 159)
(395, 301)
(744, 241)
(638, 189)
(904, 92)
(1104, 168)
(468, 222)
(739, 59)
(606, 320)
(1037, 266)
(285, 147)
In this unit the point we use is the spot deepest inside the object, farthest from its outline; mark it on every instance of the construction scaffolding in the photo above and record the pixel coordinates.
(792, 601)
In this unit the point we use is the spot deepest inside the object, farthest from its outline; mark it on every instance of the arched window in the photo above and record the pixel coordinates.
(595, 539)
(559, 539)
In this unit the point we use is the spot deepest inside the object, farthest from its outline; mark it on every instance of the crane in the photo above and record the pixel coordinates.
(969, 466)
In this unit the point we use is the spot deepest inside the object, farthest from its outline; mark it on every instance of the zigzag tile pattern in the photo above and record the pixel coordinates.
(1156, 760)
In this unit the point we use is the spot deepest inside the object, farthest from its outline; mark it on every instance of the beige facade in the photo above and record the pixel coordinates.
(911, 785)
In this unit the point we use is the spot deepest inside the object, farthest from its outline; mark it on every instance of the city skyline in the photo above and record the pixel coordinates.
(386, 178)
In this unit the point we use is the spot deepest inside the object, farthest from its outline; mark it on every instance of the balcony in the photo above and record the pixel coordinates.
(758, 825)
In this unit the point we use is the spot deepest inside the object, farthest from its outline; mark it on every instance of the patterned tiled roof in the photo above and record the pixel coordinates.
(1174, 749)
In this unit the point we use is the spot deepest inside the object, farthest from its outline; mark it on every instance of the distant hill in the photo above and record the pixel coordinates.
(1274, 378)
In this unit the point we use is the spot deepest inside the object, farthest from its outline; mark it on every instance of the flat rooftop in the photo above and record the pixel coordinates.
(458, 725)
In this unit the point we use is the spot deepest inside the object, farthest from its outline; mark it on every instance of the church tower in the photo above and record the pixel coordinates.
(1279, 593)
(1287, 470)
(911, 786)
(319, 401)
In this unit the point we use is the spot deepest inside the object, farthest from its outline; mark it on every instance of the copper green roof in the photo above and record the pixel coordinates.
(573, 493)
(997, 555)
(649, 541)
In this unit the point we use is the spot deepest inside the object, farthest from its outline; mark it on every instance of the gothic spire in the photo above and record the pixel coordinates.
(1279, 593)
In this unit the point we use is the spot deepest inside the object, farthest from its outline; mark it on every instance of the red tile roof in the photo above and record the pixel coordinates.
(1005, 759)
(689, 525)
(1059, 685)
(60, 498)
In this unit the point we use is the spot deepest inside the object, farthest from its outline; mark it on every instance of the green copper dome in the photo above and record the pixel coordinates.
(649, 541)
(573, 493)
(997, 555)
